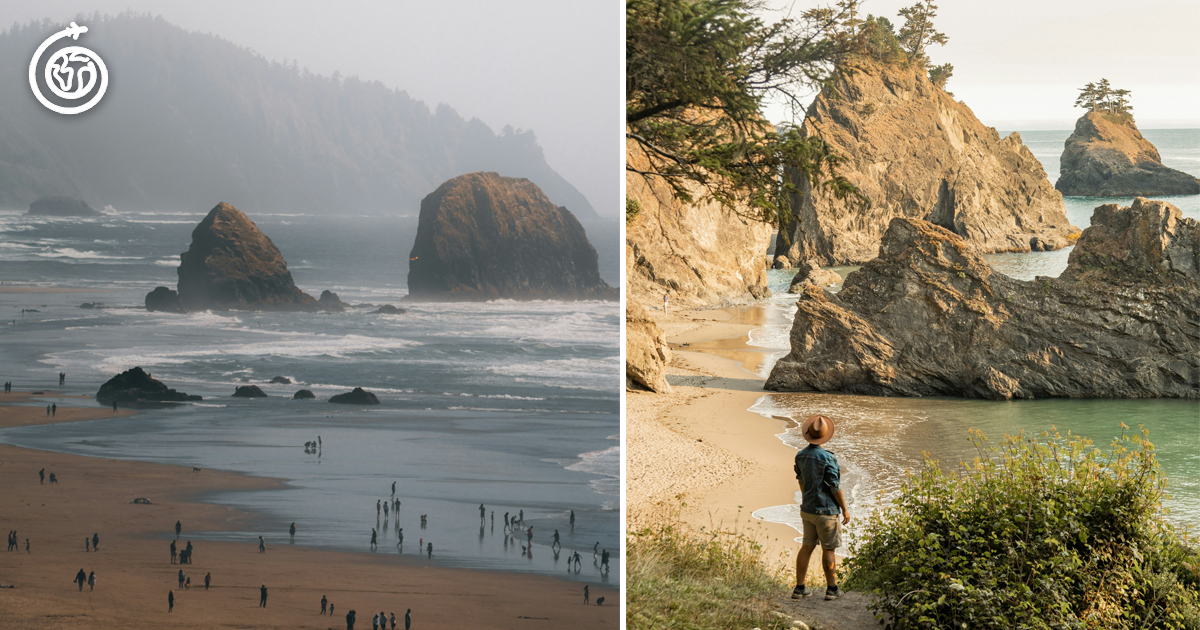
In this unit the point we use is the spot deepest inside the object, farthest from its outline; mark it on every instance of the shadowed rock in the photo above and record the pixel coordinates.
(249, 391)
(59, 206)
(329, 301)
(232, 265)
(303, 394)
(165, 300)
(358, 396)
(811, 274)
(485, 237)
(1106, 156)
(930, 317)
(135, 387)
(281, 380)
(388, 309)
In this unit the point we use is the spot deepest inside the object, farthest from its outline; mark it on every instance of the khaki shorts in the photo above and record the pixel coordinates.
(826, 528)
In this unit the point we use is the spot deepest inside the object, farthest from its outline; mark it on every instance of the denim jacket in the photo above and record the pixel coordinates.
(819, 475)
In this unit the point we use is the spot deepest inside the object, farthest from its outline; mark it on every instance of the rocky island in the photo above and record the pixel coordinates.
(60, 206)
(135, 387)
(929, 317)
(915, 152)
(482, 237)
(1106, 156)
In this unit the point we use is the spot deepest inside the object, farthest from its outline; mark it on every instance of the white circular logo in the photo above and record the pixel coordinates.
(67, 81)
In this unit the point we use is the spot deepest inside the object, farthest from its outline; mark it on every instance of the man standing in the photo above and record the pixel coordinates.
(262, 596)
(80, 578)
(42, 476)
(819, 476)
(207, 579)
(292, 532)
(324, 604)
(408, 619)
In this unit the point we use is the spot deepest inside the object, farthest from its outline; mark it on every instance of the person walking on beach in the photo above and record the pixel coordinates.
(393, 488)
(324, 603)
(385, 510)
(87, 544)
(42, 476)
(572, 519)
(178, 528)
(174, 551)
(181, 578)
(170, 601)
(400, 542)
(522, 518)
(188, 550)
(556, 542)
(262, 545)
(207, 579)
(595, 550)
(95, 537)
(392, 618)
(378, 508)
(585, 595)
(482, 514)
(374, 540)
(604, 561)
(292, 531)
(92, 581)
(80, 578)
(350, 620)
(819, 476)
(375, 622)
(429, 548)
(408, 619)
(47, 410)
(54, 409)
(262, 596)
(506, 521)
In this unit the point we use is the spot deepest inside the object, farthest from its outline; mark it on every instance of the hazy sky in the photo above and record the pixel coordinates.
(1019, 63)
(547, 65)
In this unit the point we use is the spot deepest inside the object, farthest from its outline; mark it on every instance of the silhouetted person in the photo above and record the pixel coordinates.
(178, 528)
(80, 578)
(170, 601)
(572, 519)
(393, 488)
(375, 622)
(207, 579)
(181, 578)
(262, 596)
(174, 551)
(604, 561)
(585, 594)
(482, 513)
(95, 537)
(324, 603)
(189, 552)
(392, 618)
(429, 548)
(87, 544)
(54, 409)
(53, 480)
(408, 619)
(114, 405)
(92, 581)
(42, 476)
(48, 414)
(556, 541)
(522, 519)
(262, 545)
(400, 534)
(506, 521)
(350, 620)
(378, 508)
(374, 539)
(292, 531)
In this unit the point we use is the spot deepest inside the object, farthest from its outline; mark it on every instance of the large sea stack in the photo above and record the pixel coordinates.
(915, 152)
(485, 237)
(59, 206)
(1107, 156)
(135, 387)
(232, 265)
(929, 317)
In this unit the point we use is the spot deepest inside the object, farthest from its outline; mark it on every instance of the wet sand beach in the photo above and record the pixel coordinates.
(134, 574)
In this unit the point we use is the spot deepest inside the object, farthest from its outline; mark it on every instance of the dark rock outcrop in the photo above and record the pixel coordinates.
(915, 152)
(281, 380)
(484, 237)
(232, 265)
(811, 274)
(304, 394)
(329, 301)
(135, 387)
(929, 317)
(249, 391)
(165, 300)
(358, 396)
(58, 206)
(388, 309)
(1106, 156)
(646, 351)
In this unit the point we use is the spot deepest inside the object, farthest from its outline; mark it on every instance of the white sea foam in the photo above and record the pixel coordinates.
(606, 463)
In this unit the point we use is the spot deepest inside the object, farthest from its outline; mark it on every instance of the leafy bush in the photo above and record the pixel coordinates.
(632, 208)
(679, 578)
(1038, 533)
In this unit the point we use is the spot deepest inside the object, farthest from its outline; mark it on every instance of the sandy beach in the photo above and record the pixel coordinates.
(134, 574)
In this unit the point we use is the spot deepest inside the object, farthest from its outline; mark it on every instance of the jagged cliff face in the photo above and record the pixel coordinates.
(486, 237)
(929, 317)
(646, 351)
(231, 264)
(915, 152)
(1106, 156)
(697, 253)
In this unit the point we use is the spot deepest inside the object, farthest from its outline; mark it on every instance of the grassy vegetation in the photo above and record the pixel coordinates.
(1039, 533)
(632, 209)
(697, 580)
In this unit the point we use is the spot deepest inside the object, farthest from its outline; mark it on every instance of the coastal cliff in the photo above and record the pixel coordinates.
(482, 237)
(930, 317)
(1106, 156)
(698, 253)
(646, 351)
(231, 264)
(915, 152)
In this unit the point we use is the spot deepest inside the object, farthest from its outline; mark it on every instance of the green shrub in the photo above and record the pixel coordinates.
(678, 578)
(1038, 533)
(632, 209)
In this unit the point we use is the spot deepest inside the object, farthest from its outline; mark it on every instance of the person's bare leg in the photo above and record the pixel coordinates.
(829, 563)
(802, 559)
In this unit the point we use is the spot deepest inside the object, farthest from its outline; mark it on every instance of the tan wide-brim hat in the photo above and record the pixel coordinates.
(817, 429)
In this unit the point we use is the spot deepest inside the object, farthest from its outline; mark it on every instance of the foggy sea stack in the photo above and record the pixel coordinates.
(231, 264)
(484, 237)
(1106, 156)
(60, 206)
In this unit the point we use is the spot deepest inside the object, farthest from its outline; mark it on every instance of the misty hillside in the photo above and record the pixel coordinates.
(191, 119)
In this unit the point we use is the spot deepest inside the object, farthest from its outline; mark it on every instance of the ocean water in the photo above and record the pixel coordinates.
(511, 404)
(879, 439)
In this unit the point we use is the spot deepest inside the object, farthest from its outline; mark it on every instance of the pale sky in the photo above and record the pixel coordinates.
(1018, 64)
(547, 65)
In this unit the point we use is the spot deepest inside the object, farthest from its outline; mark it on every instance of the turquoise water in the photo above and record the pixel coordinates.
(878, 439)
